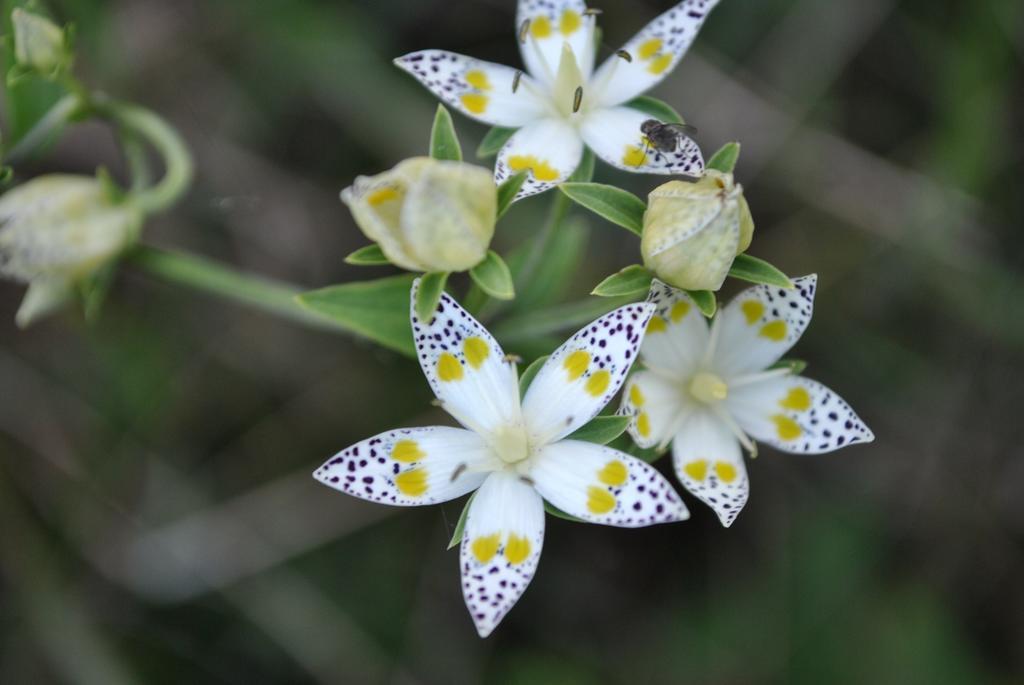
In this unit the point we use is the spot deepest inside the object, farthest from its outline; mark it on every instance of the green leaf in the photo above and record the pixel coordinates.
(585, 170)
(565, 250)
(493, 277)
(747, 268)
(526, 377)
(371, 255)
(725, 159)
(648, 454)
(523, 327)
(507, 191)
(429, 294)
(460, 526)
(444, 144)
(795, 366)
(378, 310)
(494, 141)
(705, 301)
(602, 429)
(633, 280)
(659, 109)
(614, 204)
(558, 513)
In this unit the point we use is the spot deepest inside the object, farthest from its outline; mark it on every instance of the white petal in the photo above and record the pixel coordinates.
(410, 466)
(466, 367)
(796, 414)
(582, 376)
(550, 149)
(552, 24)
(482, 90)
(500, 547)
(656, 405)
(614, 136)
(760, 324)
(677, 336)
(602, 485)
(709, 464)
(655, 51)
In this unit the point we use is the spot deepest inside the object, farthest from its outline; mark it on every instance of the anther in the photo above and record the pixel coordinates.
(513, 358)
(459, 470)
(527, 480)
(515, 80)
(436, 402)
(577, 99)
(622, 54)
(523, 28)
(592, 12)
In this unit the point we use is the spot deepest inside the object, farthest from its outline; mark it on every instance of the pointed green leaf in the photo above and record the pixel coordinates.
(444, 144)
(754, 270)
(585, 170)
(429, 293)
(493, 277)
(633, 280)
(526, 377)
(494, 141)
(565, 250)
(460, 526)
(558, 513)
(602, 429)
(658, 109)
(371, 255)
(507, 191)
(614, 204)
(795, 366)
(725, 159)
(705, 301)
(378, 310)
(648, 454)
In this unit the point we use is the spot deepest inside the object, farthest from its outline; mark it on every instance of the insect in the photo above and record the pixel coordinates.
(665, 137)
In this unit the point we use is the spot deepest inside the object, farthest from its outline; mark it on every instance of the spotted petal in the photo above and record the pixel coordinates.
(582, 376)
(602, 485)
(553, 23)
(466, 367)
(409, 466)
(614, 136)
(677, 335)
(656, 405)
(709, 463)
(760, 324)
(549, 149)
(655, 52)
(796, 414)
(500, 547)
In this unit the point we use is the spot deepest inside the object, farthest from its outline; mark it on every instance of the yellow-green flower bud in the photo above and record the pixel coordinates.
(39, 44)
(427, 214)
(693, 231)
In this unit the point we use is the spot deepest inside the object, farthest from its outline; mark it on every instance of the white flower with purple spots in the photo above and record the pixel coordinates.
(562, 103)
(513, 452)
(710, 391)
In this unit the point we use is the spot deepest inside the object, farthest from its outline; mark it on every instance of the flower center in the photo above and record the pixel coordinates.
(510, 444)
(708, 388)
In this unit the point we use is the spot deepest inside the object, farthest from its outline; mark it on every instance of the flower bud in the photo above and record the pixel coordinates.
(39, 44)
(693, 231)
(427, 214)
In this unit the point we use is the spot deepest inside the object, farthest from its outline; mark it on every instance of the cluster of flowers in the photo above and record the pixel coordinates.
(708, 390)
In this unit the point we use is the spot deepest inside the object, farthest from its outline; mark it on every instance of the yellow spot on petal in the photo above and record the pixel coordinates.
(697, 470)
(660, 64)
(679, 310)
(569, 23)
(797, 399)
(407, 451)
(576, 364)
(648, 48)
(775, 330)
(517, 549)
(599, 500)
(412, 483)
(540, 27)
(379, 197)
(635, 395)
(634, 156)
(613, 473)
(787, 428)
(752, 310)
(598, 383)
(478, 79)
(643, 425)
(474, 102)
(657, 324)
(476, 350)
(448, 367)
(486, 547)
(726, 472)
(542, 171)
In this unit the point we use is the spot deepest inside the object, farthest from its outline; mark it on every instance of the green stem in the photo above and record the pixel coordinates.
(50, 125)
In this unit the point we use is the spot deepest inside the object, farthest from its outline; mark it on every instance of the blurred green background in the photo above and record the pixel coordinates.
(159, 521)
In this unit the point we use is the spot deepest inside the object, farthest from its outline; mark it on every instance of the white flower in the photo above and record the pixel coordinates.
(711, 391)
(513, 453)
(562, 102)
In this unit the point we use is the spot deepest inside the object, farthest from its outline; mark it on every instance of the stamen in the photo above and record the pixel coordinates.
(526, 479)
(515, 80)
(577, 99)
(523, 28)
(436, 403)
(513, 359)
(744, 439)
(762, 376)
(592, 12)
(459, 470)
(622, 54)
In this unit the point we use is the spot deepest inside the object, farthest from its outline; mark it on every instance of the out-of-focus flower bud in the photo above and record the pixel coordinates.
(56, 230)
(39, 44)
(693, 231)
(427, 214)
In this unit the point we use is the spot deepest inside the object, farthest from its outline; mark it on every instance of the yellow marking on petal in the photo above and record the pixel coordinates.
(576, 364)
(517, 549)
(448, 367)
(775, 330)
(407, 451)
(598, 383)
(648, 48)
(657, 325)
(478, 79)
(725, 471)
(569, 22)
(380, 196)
(752, 310)
(486, 547)
(474, 102)
(540, 27)
(697, 470)
(542, 171)
(636, 396)
(787, 428)
(412, 483)
(613, 473)
(634, 156)
(476, 350)
(679, 310)
(660, 64)
(599, 500)
(643, 425)
(797, 399)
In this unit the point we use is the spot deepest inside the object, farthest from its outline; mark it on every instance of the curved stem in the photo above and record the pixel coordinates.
(47, 127)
